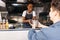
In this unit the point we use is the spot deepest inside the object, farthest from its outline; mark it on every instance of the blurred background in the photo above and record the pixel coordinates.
(13, 9)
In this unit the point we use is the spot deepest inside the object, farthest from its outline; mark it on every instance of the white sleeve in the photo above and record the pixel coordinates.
(2, 3)
(34, 13)
(24, 13)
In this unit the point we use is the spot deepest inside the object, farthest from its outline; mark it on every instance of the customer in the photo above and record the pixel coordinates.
(53, 32)
(28, 15)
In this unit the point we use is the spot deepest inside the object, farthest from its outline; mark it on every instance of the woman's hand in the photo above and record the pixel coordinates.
(33, 23)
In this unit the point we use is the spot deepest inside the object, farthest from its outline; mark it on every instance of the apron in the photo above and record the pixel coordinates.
(27, 17)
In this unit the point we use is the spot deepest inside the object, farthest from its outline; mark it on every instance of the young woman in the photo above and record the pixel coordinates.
(28, 15)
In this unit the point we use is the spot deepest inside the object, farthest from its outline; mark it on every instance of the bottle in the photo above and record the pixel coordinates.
(35, 24)
(3, 24)
(0, 21)
(0, 24)
(7, 24)
(21, 25)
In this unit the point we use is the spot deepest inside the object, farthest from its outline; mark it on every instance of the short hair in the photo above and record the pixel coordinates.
(56, 4)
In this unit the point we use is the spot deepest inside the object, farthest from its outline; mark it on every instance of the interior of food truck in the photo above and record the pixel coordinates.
(11, 20)
(14, 9)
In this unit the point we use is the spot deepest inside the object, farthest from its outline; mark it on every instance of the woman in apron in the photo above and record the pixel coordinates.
(28, 15)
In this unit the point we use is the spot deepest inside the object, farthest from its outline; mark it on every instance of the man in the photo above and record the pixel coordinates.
(53, 32)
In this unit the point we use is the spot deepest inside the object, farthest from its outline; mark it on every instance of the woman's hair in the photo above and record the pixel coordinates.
(56, 4)
(30, 3)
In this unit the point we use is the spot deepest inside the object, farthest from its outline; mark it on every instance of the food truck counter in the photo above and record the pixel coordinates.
(14, 34)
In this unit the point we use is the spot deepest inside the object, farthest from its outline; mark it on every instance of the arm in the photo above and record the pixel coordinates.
(23, 16)
(41, 25)
(25, 20)
(38, 25)
(34, 17)
(33, 35)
